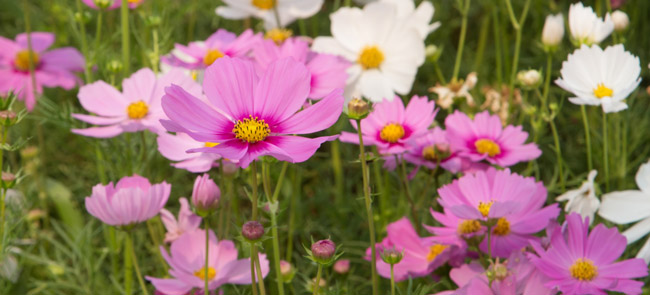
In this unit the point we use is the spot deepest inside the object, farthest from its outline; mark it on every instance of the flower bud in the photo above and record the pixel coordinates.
(7, 117)
(252, 231)
(621, 20)
(114, 66)
(205, 196)
(497, 271)
(342, 266)
(287, 271)
(8, 180)
(433, 52)
(103, 4)
(323, 251)
(529, 79)
(321, 284)
(392, 256)
(617, 3)
(553, 31)
(358, 109)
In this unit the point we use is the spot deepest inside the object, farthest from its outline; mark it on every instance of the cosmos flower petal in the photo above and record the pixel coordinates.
(229, 84)
(282, 90)
(41, 41)
(316, 117)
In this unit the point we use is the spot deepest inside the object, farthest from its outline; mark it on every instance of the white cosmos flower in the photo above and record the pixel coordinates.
(553, 31)
(582, 200)
(600, 77)
(288, 10)
(586, 27)
(385, 51)
(629, 206)
(419, 18)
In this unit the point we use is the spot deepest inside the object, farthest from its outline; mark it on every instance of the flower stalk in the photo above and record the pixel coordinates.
(124, 12)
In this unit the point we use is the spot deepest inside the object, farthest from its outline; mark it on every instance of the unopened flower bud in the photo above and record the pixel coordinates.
(497, 271)
(530, 78)
(114, 66)
(433, 52)
(287, 271)
(358, 109)
(321, 284)
(392, 256)
(323, 251)
(205, 196)
(252, 231)
(553, 31)
(342, 266)
(621, 20)
(103, 4)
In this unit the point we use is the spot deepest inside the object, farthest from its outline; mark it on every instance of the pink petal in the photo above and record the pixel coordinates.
(102, 99)
(233, 149)
(281, 91)
(40, 40)
(315, 118)
(170, 286)
(97, 120)
(139, 86)
(68, 59)
(299, 149)
(99, 132)
(229, 84)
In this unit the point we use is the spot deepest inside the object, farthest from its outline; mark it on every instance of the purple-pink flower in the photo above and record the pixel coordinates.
(134, 109)
(173, 148)
(390, 126)
(186, 259)
(187, 221)
(132, 200)
(328, 72)
(484, 138)
(259, 114)
(52, 68)
(580, 262)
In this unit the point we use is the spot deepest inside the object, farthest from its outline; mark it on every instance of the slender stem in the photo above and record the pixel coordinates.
(253, 287)
(128, 266)
(260, 278)
(125, 36)
(605, 152)
(547, 82)
(156, 51)
(98, 32)
(84, 42)
(511, 14)
(518, 25)
(30, 57)
(439, 75)
(293, 203)
(318, 274)
(585, 122)
(274, 224)
(277, 17)
(337, 167)
(224, 200)
(407, 189)
(3, 130)
(143, 286)
(497, 46)
(371, 222)
(461, 42)
(489, 241)
(392, 279)
(558, 152)
(254, 194)
(206, 225)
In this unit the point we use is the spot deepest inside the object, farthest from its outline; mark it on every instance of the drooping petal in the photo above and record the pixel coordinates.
(315, 118)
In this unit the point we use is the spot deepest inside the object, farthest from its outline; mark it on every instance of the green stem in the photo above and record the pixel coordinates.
(585, 122)
(318, 274)
(156, 51)
(224, 201)
(392, 279)
(441, 77)
(407, 189)
(84, 42)
(30, 57)
(605, 152)
(337, 166)
(517, 25)
(143, 286)
(461, 42)
(254, 194)
(124, 9)
(98, 32)
(253, 288)
(3, 130)
(128, 266)
(371, 222)
(207, 255)
(274, 226)
(260, 278)
(295, 191)
(547, 82)
(558, 152)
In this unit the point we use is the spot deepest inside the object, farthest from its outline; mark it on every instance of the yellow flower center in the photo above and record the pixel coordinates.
(211, 56)
(429, 154)
(487, 146)
(392, 132)
(264, 4)
(201, 273)
(278, 35)
(502, 228)
(434, 251)
(251, 130)
(137, 110)
(602, 91)
(371, 57)
(484, 208)
(469, 227)
(583, 269)
(211, 144)
(22, 59)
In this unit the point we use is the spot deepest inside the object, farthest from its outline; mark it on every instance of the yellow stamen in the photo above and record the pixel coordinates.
(201, 273)
(195, 75)
(429, 154)
(484, 208)
(583, 269)
(469, 227)
(602, 91)
(211, 56)
(22, 60)
(502, 228)
(264, 4)
(278, 35)
(487, 146)
(434, 251)
(371, 57)
(251, 129)
(211, 144)
(392, 132)
(137, 110)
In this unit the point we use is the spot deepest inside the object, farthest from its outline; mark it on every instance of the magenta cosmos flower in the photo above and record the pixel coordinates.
(111, 4)
(390, 126)
(132, 200)
(53, 68)
(134, 109)
(328, 72)
(421, 257)
(201, 54)
(579, 262)
(513, 202)
(173, 148)
(484, 138)
(186, 259)
(187, 221)
(260, 114)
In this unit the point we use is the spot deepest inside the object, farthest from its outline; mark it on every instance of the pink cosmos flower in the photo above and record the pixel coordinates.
(186, 259)
(261, 112)
(111, 4)
(579, 262)
(132, 200)
(173, 148)
(513, 202)
(187, 221)
(134, 109)
(390, 126)
(201, 54)
(53, 68)
(328, 72)
(485, 139)
(421, 257)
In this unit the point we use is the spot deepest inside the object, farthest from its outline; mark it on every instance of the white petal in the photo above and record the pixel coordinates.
(625, 207)
(644, 253)
(374, 86)
(643, 177)
(637, 231)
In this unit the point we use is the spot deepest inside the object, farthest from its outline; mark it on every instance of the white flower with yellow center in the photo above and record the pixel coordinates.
(385, 51)
(287, 10)
(586, 27)
(601, 77)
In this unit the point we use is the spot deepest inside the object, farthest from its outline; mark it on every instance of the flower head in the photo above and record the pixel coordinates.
(132, 200)
(432, 148)
(187, 221)
(621, 20)
(288, 10)
(252, 231)
(455, 89)
(553, 31)
(586, 27)
(582, 200)
(323, 250)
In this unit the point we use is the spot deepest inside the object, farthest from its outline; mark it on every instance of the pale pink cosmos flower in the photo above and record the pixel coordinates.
(260, 113)
(132, 200)
(390, 125)
(111, 4)
(52, 68)
(136, 108)
(187, 221)
(484, 138)
(328, 72)
(173, 147)
(186, 259)
(580, 262)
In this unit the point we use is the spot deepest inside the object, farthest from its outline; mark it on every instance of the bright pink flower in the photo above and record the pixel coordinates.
(421, 257)
(261, 113)
(390, 126)
(186, 259)
(484, 138)
(579, 262)
(187, 221)
(173, 148)
(328, 72)
(111, 4)
(201, 54)
(132, 200)
(513, 202)
(134, 109)
(53, 68)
